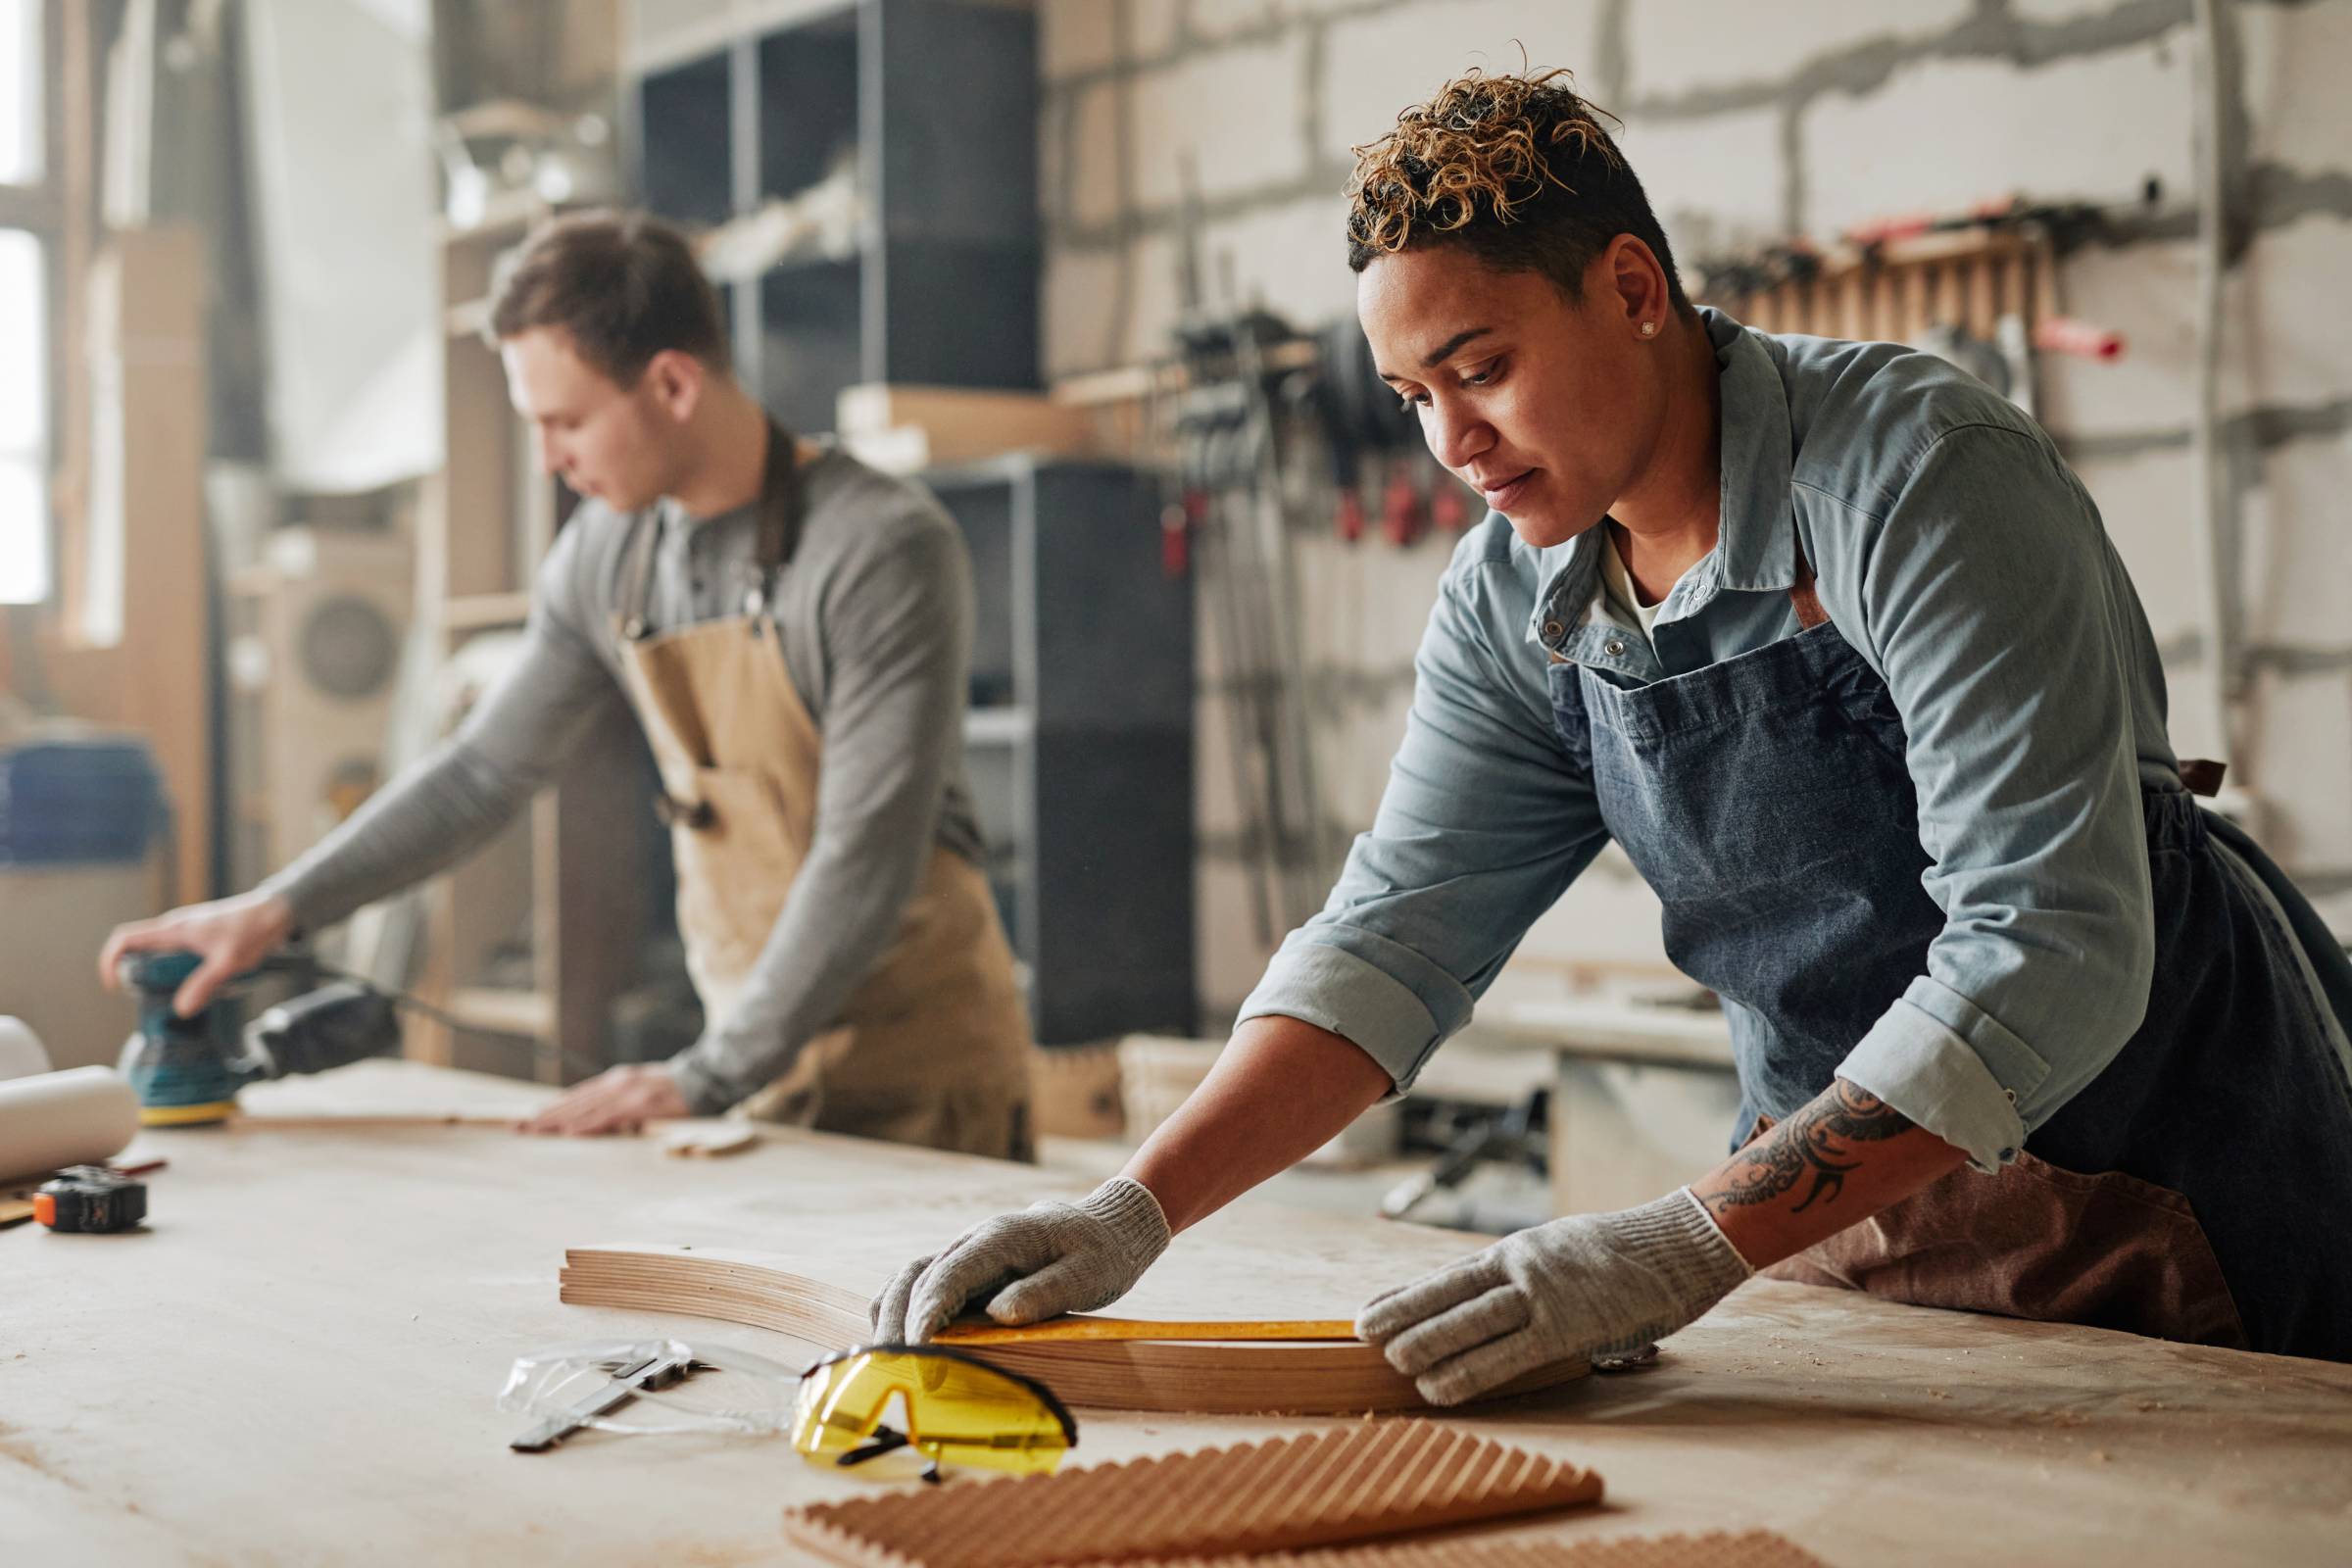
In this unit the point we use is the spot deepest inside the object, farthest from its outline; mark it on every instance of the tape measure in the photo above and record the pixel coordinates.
(1130, 1328)
(92, 1200)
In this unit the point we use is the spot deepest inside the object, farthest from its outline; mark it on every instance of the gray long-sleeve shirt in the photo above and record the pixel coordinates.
(875, 613)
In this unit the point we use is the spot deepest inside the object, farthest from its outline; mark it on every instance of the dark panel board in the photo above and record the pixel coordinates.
(1114, 885)
(812, 342)
(807, 102)
(1114, 632)
(957, 112)
(957, 314)
(986, 515)
(682, 127)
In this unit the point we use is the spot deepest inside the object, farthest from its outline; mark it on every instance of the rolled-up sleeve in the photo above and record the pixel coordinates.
(1484, 823)
(1986, 601)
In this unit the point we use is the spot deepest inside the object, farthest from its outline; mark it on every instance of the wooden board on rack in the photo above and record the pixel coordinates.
(959, 424)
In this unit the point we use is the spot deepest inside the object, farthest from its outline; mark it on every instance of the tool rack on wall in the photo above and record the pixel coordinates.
(1981, 289)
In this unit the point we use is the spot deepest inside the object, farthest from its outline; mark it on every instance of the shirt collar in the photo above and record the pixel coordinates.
(1757, 544)
(1755, 551)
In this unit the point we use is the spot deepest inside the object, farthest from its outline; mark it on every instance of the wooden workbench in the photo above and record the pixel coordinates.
(297, 1364)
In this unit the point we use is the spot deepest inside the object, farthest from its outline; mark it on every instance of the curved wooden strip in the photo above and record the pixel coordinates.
(1220, 1378)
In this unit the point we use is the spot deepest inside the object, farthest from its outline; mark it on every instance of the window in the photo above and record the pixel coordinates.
(24, 421)
(27, 223)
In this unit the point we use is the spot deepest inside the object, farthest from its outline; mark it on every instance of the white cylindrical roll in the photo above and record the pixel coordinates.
(78, 1117)
(21, 1053)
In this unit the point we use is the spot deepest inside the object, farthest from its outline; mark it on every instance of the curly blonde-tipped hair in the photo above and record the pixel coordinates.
(1518, 168)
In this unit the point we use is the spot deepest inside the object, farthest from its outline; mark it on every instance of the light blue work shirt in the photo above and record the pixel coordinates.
(1969, 568)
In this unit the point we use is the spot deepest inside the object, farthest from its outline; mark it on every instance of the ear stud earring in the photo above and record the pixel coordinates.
(1649, 329)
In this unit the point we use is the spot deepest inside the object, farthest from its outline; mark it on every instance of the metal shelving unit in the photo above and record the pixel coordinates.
(928, 108)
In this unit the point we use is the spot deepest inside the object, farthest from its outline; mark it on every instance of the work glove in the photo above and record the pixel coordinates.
(1565, 1292)
(1046, 1259)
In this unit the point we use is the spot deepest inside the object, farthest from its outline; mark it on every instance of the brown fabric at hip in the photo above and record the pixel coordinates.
(2034, 1240)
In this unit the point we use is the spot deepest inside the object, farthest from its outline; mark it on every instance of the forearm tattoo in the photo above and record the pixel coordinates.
(1814, 1145)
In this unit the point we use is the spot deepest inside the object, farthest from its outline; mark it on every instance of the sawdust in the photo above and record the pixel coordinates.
(17, 1446)
(710, 1555)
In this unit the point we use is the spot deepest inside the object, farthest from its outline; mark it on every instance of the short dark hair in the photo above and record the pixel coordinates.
(625, 285)
(1517, 169)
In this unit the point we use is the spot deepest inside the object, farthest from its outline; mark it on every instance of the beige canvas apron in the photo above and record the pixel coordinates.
(932, 1047)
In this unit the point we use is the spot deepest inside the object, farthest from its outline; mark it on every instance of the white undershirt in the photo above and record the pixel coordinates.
(1618, 583)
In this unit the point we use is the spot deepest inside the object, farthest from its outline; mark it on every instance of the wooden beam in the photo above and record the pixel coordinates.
(138, 660)
(75, 149)
(29, 207)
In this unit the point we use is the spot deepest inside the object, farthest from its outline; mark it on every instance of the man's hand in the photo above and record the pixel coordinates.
(618, 1100)
(230, 935)
(1047, 1259)
(1567, 1292)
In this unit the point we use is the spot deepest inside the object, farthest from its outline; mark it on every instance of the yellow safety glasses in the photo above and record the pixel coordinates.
(957, 1410)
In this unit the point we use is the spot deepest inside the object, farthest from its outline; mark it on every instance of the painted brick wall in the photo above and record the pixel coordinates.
(1750, 122)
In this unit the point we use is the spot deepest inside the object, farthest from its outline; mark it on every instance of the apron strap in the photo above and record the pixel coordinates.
(629, 625)
(778, 526)
(780, 494)
(637, 572)
(2202, 775)
(779, 536)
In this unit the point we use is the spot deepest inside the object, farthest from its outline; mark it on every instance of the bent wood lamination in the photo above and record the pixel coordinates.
(1208, 1378)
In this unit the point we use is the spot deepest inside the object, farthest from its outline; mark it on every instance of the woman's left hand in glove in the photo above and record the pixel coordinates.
(1567, 1292)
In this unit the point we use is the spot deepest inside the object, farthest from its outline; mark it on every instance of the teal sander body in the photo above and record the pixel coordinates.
(187, 1070)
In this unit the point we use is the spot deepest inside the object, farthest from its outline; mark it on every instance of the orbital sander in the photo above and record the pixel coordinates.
(188, 1070)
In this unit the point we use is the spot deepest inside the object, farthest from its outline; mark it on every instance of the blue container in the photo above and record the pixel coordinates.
(76, 801)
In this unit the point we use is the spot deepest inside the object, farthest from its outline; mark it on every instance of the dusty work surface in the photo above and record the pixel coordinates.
(297, 1364)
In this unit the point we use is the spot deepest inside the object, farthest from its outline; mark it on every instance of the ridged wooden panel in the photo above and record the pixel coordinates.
(1360, 1483)
(1747, 1548)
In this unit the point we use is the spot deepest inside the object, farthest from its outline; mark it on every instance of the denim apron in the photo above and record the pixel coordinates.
(2194, 1190)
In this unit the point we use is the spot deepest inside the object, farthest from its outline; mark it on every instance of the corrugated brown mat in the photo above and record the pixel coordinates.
(1748, 1548)
(1356, 1484)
